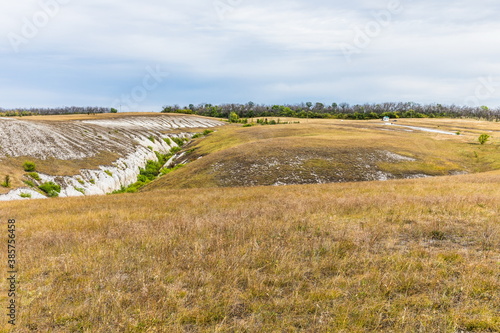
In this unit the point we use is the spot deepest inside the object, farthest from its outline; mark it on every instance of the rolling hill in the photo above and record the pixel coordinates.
(200, 250)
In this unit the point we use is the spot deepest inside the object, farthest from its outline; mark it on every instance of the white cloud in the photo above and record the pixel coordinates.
(279, 51)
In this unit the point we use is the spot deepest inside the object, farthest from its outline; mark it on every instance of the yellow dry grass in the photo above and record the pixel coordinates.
(419, 255)
(73, 117)
(336, 150)
(400, 256)
(13, 166)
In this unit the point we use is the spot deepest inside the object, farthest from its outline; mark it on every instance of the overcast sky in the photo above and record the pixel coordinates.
(146, 54)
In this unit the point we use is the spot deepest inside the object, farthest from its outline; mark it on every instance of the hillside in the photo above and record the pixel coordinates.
(403, 255)
(86, 154)
(399, 256)
(325, 151)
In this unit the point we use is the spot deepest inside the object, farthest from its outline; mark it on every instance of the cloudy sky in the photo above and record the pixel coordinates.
(146, 54)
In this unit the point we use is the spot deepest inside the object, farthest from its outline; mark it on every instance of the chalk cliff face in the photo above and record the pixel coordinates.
(122, 173)
(134, 138)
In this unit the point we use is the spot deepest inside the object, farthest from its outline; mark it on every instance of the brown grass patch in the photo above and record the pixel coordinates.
(13, 166)
(399, 256)
(328, 151)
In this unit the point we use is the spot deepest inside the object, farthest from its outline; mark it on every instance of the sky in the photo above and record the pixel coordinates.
(142, 55)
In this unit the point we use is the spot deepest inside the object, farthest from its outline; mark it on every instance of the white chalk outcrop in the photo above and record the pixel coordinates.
(135, 138)
(121, 173)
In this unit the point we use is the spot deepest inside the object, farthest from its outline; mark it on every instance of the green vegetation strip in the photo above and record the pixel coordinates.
(153, 169)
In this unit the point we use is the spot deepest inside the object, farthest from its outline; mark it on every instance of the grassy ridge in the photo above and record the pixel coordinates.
(406, 256)
(410, 255)
(322, 151)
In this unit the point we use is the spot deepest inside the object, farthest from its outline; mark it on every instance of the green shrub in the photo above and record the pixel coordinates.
(113, 110)
(151, 169)
(29, 183)
(197, 135)
(207, 132)
(147, 174)
(151, 138)
(150, 148)
(483, 138)
(178, 141)
(109, 173)
(81, 181)
(121, 190)
(175, 150)
(167, 141)
(29, 166)
(25, 195)
(34, 175)
(134, 188)
(6, 182)
(233, 117)
(92, 181)
(51, 189)
(165, 171)
(81, 190)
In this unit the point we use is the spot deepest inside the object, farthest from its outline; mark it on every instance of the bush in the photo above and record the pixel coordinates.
(81, 190)
(178, 141)
(167, 141)
(51, 189)
(207, 132)
(175, 150)
(151, 170)
(233, 117)
(483, 138)
(113, 110)
(25, 195)
(29, 183)
(109, 173)
(151, 138)
(29, 166)
(6, 182)
(165, 171)
(142, 178)
(34, 175)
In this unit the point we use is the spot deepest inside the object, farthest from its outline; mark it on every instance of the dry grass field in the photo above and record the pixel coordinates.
(404, 255)
(325, 151)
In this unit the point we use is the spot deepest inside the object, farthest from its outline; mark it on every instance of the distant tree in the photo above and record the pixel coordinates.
(319, 106)
(113, 110)
(341, 110)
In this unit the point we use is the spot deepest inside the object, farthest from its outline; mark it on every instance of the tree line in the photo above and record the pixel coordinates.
(340, 111)
(53, 111)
